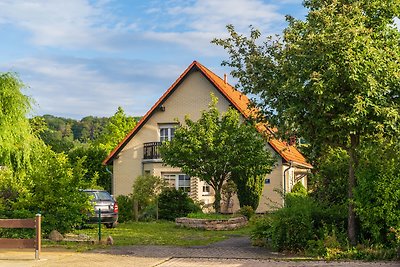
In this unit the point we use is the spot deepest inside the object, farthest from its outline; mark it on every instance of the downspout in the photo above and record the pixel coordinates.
(284, 181)
(112, 180)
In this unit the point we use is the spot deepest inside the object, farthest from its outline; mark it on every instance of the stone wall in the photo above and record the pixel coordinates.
(208, 224)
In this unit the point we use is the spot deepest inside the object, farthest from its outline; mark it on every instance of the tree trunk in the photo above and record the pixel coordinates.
(351, 222)
(217, 201)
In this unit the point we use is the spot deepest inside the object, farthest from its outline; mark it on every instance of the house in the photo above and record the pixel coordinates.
(138, 153)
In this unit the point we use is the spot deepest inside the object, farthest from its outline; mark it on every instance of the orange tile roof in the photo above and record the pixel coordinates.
(236, 98)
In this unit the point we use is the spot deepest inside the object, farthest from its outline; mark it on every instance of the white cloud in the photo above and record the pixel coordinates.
(81, 24)
(213, 16)
(59, 23)
(72, 87)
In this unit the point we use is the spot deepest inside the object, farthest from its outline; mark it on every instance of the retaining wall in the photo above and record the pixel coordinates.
(208, 224)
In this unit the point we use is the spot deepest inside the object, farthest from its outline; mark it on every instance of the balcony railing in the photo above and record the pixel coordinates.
(151, 150)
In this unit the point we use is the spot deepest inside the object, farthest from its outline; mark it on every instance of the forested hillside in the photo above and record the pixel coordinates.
(64, 134)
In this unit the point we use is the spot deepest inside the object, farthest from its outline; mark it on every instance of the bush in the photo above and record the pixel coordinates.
(125, 208)
(51, 188)
(301, 220)
(146, 188)
(299, 188)
(247, 211)
(174, 203)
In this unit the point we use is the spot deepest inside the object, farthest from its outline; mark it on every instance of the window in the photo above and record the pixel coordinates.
(184, 182)
(206, 189)
(170, 179)
(167, 132)
(178, 181)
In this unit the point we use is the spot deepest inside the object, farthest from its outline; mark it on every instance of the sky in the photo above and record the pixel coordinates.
(82, 58)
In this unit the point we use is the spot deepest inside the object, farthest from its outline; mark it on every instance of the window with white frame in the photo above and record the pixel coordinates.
(167, 132)
(170, 180)
(184, 182)
(206, 189)
(179, 181)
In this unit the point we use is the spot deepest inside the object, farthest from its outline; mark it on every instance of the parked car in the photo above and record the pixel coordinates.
(108, 206)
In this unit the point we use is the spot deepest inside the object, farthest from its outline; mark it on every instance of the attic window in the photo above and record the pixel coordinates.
(167, 131)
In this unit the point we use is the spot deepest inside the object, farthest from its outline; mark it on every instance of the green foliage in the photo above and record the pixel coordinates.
(117, 127)
(16, 137)
(91, 157)
(377, 195)
(55, 192)
(146, 189)
(51, 188)
(215, 146)
(247, 211)
(64, 130)
(299, 188)
(174, 203)
(301, 220)
(329, 184)
(125, 208)
(331, 78)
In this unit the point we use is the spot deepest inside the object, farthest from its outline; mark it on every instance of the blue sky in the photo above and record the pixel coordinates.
(87, 57)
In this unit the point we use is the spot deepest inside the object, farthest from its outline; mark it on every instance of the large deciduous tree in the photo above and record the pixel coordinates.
(115, 130)
(216, 146)
(333, 78)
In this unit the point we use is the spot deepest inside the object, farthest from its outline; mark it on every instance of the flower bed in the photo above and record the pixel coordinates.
(210, 224)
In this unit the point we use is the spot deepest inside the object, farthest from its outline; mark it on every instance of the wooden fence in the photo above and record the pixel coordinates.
(35, 243)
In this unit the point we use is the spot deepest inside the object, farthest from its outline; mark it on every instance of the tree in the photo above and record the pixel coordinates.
(332, 78)
(16, 137)
(117, 127)
(377, 200)
(91, 158)
(33, 177)
(253, 162)
(215, 146)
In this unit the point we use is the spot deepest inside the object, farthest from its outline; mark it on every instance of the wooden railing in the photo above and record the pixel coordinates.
(35, 243)
(151, 150)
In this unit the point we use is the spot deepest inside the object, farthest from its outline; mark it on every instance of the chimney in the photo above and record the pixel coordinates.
(225, 78)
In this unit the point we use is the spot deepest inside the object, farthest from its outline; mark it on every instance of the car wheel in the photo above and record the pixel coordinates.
(111, 225)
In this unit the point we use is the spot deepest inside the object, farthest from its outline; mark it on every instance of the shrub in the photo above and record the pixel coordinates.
(299, 188)
(146, 188)
(51, 188)
(174, 203)
(125, 208)
(247, 211)
(301, 220)
(145, 191)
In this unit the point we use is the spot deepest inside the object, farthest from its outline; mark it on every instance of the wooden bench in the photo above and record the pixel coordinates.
(35, 243)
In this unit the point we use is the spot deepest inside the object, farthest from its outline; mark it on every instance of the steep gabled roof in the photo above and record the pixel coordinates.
(234, 97)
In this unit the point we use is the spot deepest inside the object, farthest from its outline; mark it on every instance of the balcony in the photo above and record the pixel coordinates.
(151, 150)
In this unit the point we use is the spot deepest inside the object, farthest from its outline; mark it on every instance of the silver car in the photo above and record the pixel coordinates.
(108, 206)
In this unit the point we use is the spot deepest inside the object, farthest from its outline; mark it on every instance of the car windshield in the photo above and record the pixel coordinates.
(100, 195)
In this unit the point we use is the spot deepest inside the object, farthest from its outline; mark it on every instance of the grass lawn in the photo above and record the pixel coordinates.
(153, 233)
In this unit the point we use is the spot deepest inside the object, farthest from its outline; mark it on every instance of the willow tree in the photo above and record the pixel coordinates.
(16, 137)
(332, 78)
(217, 146)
